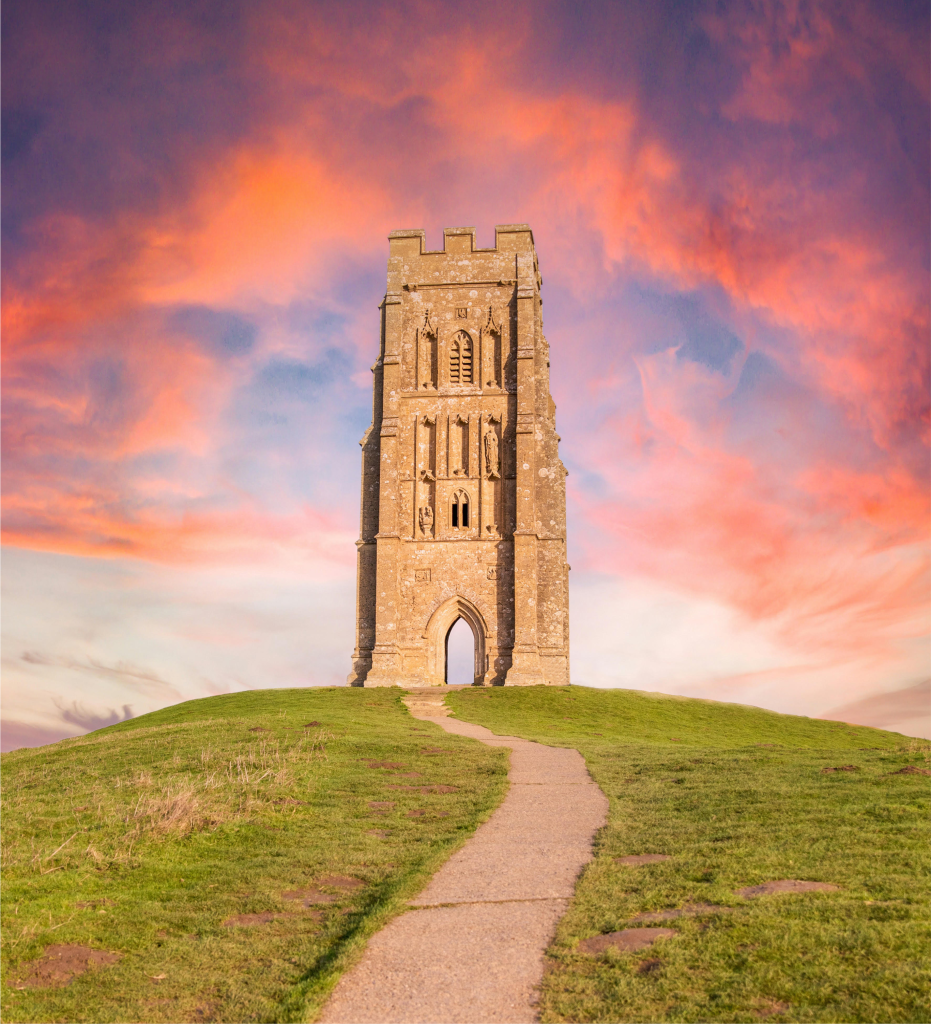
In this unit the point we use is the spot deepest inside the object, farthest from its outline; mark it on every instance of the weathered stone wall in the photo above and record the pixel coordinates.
(463, 492)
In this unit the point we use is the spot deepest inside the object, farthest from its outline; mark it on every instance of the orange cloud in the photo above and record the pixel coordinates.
(264, 228)
(377, 125)
(92, 525)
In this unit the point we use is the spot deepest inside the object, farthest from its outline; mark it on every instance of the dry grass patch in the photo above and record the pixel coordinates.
(179, 840)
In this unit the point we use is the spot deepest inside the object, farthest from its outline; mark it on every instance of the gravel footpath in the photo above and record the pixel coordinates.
(471, 949)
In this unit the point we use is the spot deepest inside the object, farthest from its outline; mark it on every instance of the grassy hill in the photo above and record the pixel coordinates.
(194, 842)
(737, 796)
(181, 840)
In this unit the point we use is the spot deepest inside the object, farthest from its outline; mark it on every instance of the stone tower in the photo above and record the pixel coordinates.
(463, 492)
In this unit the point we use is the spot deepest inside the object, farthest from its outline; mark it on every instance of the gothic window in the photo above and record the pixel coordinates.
(460, 359)
(459, 511)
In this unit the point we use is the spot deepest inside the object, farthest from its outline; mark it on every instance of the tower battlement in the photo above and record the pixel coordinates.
(508, 238)
(463, 492)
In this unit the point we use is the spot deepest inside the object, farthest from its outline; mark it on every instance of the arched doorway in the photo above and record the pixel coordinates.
(438, 630)
(460, 654)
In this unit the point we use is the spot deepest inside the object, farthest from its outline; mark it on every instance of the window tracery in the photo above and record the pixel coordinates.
(459, 511)
(460, 359)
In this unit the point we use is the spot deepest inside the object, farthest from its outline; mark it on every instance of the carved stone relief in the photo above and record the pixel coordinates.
(426, 456)
(460, 454)
(425, 475)
(427, 354)
(492, 466)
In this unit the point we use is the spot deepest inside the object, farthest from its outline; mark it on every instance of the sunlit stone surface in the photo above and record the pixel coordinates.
(463, 491)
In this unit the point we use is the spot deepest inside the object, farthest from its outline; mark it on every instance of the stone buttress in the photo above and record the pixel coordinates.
(463, 492)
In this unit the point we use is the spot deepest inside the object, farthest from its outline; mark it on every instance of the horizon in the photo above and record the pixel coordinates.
(456, 687)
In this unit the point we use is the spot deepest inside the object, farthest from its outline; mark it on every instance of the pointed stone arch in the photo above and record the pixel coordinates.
(438, 628)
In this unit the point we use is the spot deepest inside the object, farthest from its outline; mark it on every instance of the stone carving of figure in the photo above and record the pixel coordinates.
(426, 519)
(491, 453)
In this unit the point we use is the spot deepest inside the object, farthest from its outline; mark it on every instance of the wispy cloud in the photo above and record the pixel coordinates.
(907, 710)
(88, 721)
(131, 677)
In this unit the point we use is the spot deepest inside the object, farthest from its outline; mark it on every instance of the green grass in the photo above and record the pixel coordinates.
(144, 837)
(737, 796)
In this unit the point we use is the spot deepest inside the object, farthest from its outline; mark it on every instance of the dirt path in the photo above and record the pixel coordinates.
(472, 949)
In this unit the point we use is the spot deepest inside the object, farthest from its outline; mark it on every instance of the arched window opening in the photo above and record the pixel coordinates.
(460, 654)
(459, 511)
(460, 359)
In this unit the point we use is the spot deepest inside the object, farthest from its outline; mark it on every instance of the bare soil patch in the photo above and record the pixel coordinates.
(59, 964)
(416, 814)
(313, 725)
(381, 806)
(258, 728)
(649, 966)
(638, 859)
(911, 769)
(841, 768)
(786, 885)
(626, 941)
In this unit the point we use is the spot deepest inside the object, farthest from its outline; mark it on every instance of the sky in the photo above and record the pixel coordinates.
(730, 203)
